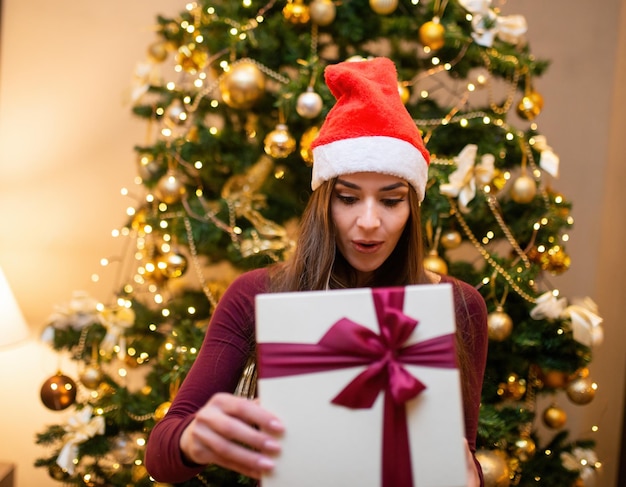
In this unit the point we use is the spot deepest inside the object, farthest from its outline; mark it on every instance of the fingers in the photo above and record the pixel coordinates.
(473, 480)
(235, 433)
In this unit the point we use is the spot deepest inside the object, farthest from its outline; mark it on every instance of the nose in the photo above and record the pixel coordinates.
(369, 218)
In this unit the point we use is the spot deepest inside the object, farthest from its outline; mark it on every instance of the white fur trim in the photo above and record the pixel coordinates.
(386, 155)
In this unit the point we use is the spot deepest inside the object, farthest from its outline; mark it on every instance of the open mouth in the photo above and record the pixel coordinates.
(366, 247)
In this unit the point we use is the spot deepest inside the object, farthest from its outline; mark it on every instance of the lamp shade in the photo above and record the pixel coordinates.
(13, 326)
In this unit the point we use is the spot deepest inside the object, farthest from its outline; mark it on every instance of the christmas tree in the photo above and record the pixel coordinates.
(233, 95)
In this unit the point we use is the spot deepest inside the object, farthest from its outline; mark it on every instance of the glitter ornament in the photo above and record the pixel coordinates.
(296, 12)
(279, 143)
(524, 189)
(242, 86)
(124, 449)
(309, 104)
(90, 376)
(434, 263)
(451, 239)
(581, 390)
(525, 448)
(530, 105)
(147, 166)
(192, 59)
(172, 264)
(556, 260)
(431, 34)
(170, 188)
(58, 392)
(383, 7)
(157, 52)
(322, 12)
(495, 468)
(499, 325)
(514, 388)
(554, 417)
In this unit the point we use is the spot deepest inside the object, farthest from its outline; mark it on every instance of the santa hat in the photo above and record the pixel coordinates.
(369, 129)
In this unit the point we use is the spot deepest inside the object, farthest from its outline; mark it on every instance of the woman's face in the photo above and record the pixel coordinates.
(369, 211)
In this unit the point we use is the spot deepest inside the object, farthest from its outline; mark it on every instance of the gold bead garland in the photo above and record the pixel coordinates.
(490, 260)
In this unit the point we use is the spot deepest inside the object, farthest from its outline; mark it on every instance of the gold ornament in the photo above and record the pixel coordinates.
(431, 34)
(296, 12)
(405, 93)
(525, 448)
(58, 392)
(495, 468)
(322, 12)
(279, 143)
(162, 410)
(170, 188)
(499, 325)
(242, 86)
(157, 52)
(530, 105)
(175, 113)
(581, 390)
(556, 260)
(90, 376)
(451, 239)
(514, 388)
(524, 189)
(554, 379)
(124, 449)
(138, 473)
(57, 473)
(192, 59)
(307, 139)
(172, 264)
(147, 166)
(309, 104)
(554, 417)
(383, 7)
(434, 263)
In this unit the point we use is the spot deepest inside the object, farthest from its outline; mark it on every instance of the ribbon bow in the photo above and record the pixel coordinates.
(463, 181)
(585, 322)
(548, 307)
(117, 321)
(348, 344)
(582, 314)
(487, 24)
(79, 429)
(548, 160)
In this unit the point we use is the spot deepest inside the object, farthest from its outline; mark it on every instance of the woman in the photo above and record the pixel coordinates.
(361, 228)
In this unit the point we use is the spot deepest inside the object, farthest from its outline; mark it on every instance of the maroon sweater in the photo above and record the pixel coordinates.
(229, 342)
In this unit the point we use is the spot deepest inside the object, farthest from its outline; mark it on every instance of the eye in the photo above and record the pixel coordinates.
(346, 199)
(391, 202)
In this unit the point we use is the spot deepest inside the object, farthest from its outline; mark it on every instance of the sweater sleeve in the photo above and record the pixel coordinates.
(226, 347)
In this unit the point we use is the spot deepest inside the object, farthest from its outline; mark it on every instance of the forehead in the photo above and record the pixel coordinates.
(372, 180)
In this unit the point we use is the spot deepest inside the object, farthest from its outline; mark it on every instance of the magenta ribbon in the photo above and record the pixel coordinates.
(348, 344)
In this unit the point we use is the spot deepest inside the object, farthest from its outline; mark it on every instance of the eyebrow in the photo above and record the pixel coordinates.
(391, 187)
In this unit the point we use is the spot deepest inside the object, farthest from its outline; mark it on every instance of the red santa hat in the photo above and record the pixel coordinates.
(369, 129)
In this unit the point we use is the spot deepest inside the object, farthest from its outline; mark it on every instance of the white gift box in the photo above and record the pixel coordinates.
(331, 445)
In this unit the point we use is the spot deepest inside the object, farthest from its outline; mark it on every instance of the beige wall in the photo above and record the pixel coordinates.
(66, 138)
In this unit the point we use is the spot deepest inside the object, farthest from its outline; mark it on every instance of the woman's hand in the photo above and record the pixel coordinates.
(473, 479)
(233, 432)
